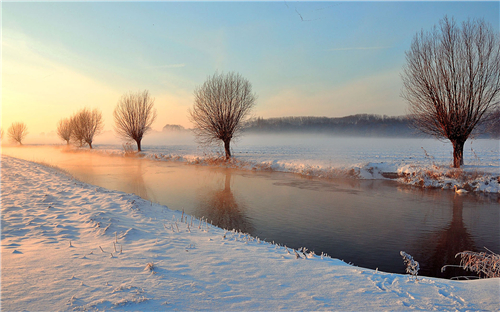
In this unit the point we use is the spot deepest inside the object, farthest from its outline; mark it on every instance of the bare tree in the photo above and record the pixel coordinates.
(17, 132)
(221, 105)
(134, 114)
(76, 135)
(86, 124)
(64, 130)
(452, 80)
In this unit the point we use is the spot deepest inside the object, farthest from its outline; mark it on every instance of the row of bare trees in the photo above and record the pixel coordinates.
(133, 116)
(451, 82)
(81, 127)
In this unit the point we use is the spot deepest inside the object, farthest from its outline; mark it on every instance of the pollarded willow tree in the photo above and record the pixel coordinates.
(64, 130)
(452, 80)
(17, 132)
(86, 124)
(221, 105)
(134, 114)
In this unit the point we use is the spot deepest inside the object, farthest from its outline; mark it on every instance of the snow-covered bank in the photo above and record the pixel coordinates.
(67, 245)
(418, 162)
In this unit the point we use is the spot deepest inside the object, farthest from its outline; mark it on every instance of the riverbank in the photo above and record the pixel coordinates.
(67, 245)
(422, 163)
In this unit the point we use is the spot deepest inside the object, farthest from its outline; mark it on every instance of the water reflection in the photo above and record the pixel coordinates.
(123, 173)
(135, 180)
(222, 208)
(440, 247)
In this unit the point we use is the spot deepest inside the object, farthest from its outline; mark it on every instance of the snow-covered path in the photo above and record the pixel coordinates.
(67, 245)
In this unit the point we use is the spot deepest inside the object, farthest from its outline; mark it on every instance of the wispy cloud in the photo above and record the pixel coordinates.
(170, 66)
(359, 48)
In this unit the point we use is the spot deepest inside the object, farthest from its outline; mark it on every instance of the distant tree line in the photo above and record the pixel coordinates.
(354, 125)
(365, 125)
(173, 128)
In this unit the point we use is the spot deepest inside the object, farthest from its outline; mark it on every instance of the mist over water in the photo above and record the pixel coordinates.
(366, 222)
(308, 149)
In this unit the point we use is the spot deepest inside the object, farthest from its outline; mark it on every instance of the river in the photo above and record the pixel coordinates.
(363, 222)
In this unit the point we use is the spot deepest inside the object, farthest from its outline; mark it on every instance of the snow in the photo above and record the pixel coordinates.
(67, 245)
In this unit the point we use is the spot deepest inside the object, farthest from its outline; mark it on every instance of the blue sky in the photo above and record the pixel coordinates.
(302, 58)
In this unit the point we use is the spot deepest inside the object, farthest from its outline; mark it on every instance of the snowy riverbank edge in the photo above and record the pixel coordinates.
(68, 245)
(430, 175)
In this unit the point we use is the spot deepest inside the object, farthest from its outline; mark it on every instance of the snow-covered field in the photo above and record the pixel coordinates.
(67, 245)
(419, 162)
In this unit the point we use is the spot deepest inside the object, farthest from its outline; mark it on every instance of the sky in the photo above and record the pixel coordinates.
(302, 58)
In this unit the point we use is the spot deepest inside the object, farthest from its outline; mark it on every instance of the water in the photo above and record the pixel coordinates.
(362, 222)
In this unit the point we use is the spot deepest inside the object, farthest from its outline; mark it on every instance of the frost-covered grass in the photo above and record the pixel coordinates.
(418, 162)
(68, 245)
(468, 178)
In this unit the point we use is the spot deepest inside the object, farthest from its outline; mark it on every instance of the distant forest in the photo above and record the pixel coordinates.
(365, 125)
(355, 125)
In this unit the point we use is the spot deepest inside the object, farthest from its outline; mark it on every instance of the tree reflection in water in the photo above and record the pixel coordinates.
(440, 247)
(135, 180)
(223, 209)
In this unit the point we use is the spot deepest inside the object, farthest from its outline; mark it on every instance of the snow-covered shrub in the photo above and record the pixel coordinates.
(128, 148)
(412, 266)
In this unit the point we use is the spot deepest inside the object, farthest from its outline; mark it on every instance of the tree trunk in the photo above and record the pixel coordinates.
(226, 148)
(458, 152)
(90, 144)
(138, 145)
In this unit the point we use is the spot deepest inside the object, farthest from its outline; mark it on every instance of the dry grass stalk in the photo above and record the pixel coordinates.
(150, 267)
(485, 264)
